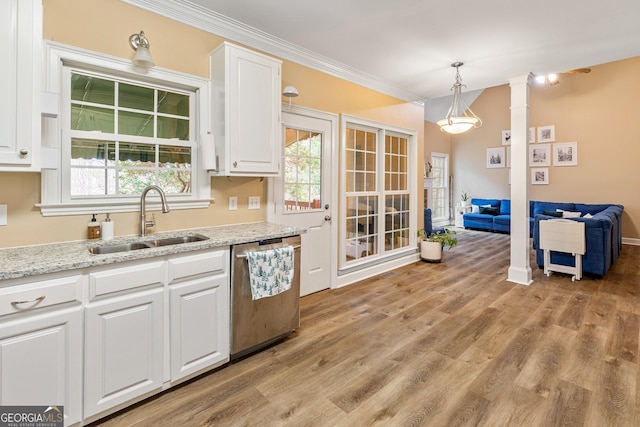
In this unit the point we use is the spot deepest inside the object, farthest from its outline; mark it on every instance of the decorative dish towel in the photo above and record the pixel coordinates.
(270, 271)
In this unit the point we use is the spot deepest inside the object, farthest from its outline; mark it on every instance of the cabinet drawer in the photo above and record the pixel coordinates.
(124, 278)
(43, 293)
(191, 265)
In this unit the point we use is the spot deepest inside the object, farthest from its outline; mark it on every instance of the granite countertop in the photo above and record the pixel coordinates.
(26, 261)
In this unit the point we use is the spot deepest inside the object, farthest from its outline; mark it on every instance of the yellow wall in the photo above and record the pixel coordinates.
(596, 110)
(105, 26)
(436, 141)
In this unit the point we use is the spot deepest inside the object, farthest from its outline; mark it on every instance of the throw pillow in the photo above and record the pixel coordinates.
(476, 208)
(588, 215)
(552, 213)
(488, 210)
(567, 214)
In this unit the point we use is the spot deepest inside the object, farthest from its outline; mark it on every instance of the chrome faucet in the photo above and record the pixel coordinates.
(143, 216)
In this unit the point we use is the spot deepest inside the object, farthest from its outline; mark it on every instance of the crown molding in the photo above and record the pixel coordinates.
(212, 22)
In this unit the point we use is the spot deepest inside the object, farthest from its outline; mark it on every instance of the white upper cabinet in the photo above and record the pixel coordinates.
(246, 89)
(20, 48)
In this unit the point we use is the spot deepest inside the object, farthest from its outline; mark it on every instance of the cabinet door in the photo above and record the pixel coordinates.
(20, 41)
(246, 111)
(41, 361)
(199, 325)
(254, 103)
(123, 349)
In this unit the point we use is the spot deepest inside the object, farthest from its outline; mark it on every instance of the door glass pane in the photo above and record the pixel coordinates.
(396, 227)
(303, 170)
(362, 234)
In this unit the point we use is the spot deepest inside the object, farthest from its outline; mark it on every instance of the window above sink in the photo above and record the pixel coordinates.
(120, 130)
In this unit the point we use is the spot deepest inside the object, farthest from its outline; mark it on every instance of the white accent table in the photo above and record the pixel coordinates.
(461, 210)
(562, 235)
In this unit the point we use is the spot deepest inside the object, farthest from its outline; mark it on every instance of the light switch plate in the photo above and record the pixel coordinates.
(233, 203)
(254, 202)
(3, 214)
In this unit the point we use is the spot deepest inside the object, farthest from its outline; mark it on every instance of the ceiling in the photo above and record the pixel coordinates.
(408, 45)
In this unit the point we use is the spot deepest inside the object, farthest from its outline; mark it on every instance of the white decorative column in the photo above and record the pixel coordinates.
(520, 267)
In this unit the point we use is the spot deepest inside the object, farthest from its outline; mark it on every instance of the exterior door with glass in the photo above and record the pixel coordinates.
(302, 195)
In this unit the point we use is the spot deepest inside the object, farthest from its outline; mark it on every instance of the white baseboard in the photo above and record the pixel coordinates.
(365, 273)
(630, 241)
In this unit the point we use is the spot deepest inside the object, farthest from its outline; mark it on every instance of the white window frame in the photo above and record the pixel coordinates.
(53, 199)
(382, 130)
(441, 220)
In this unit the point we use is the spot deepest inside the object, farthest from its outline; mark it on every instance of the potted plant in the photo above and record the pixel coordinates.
(464, 197)
(431, 246)
(427, 169)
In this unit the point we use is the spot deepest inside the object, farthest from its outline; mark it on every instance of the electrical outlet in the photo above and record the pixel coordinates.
(233, 203)
(254, 202)
(3, 214)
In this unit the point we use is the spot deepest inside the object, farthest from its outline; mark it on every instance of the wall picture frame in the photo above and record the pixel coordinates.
(539, 176)
(546, 133)
(565, 154)
(540, 155)
(495, 157)
(506, 137)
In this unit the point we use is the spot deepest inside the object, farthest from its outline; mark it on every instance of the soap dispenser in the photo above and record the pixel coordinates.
(107, 228)
(93, 228)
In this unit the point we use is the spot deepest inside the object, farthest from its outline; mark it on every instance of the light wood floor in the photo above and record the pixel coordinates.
(450, 344)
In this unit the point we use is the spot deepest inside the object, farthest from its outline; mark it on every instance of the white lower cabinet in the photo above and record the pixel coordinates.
(123, 349)
(199, 312)
(102, 338)
(41, 361)
(199, 325)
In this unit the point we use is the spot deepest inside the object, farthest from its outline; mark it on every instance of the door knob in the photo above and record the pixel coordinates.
(327, 218)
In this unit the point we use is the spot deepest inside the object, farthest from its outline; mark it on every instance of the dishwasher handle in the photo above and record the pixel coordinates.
(245, 255)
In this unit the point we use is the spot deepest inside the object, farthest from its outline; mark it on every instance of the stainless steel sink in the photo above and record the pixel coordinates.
(146, 244)
(178, 240)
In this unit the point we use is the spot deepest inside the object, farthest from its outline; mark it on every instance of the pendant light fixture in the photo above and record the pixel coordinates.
(460, 118)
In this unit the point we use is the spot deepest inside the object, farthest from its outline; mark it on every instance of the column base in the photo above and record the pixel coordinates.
(521, 276)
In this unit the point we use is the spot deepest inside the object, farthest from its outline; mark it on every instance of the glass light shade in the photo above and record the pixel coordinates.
(458, 120)
(456, 125)
(143, 58)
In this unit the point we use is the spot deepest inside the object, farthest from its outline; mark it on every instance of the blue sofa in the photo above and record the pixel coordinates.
(603, 238)
(603, 229)
(499, 220)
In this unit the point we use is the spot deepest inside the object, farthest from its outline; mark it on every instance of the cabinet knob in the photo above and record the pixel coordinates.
(24, 152)
(235, 164)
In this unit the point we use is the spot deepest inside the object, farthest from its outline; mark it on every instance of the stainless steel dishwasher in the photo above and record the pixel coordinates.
(258, 323)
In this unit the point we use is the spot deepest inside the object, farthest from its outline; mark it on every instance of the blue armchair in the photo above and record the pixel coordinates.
(428, 224)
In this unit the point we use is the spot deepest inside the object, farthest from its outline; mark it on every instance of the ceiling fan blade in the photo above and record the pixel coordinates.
(578, 71)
